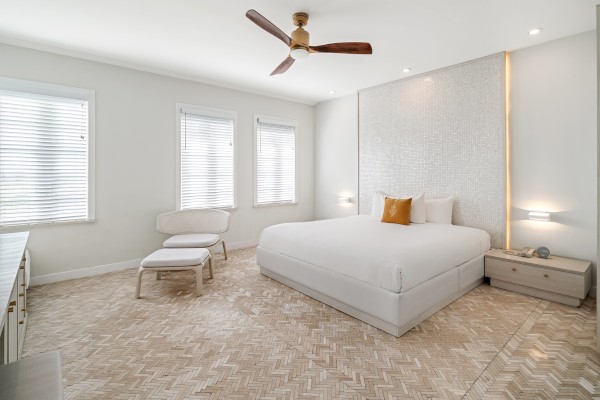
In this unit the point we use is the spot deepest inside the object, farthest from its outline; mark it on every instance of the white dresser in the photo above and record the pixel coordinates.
(13, 295)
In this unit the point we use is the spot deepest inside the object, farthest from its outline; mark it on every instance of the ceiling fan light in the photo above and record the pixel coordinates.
(298, 53)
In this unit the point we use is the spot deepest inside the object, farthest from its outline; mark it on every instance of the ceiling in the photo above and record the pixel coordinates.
(213, 41)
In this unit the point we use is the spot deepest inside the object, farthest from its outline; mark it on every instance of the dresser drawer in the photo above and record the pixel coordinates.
(536, 277)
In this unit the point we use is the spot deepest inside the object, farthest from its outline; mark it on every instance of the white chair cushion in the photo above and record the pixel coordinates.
(176, 258)
(192, 240)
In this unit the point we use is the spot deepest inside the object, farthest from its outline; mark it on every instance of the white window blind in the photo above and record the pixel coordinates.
(207, 160)
(43, 158)
(275, 162)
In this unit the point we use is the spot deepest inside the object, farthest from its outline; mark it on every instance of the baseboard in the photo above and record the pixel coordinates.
(103, 269)
(236, 245)
(83, 272)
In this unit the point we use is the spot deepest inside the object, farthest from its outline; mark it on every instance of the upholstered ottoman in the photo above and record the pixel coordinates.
(175, 259)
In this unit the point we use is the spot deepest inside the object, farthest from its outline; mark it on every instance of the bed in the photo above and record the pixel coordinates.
(390, 276)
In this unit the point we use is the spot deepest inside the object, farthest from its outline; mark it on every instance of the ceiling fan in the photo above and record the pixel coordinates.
(299, 42)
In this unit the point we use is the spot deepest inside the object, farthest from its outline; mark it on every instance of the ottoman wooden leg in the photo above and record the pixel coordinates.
(224, 248)
(198, 271)
(138, 287)
(158, 276)
(210, 267)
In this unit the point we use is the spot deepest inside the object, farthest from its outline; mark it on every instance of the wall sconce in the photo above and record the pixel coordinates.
(539, 216)
(343, 199)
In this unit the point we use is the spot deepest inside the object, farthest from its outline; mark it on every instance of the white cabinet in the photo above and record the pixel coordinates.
(12, 326)
(13, 295)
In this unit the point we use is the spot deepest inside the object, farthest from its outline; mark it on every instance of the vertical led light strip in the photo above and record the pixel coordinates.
(507, 151)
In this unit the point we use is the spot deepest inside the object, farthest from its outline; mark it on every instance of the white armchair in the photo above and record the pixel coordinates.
(194, 228)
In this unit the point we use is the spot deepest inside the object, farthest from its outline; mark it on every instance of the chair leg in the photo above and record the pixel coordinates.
(158, 276)
(210, 267)
(224, 248)
(198, 271)
(138, 287)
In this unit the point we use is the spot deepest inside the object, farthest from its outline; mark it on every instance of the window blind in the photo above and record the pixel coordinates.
(43, 158)
(207, 161)
(275, 163)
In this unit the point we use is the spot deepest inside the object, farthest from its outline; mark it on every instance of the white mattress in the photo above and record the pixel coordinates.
(390, 256)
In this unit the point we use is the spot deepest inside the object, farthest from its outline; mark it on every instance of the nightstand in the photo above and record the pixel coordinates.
(559, 279)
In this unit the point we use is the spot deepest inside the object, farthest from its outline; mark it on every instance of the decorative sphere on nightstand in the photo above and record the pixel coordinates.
(543, 252)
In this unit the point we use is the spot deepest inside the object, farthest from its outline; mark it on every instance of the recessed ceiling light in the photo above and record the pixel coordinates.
(535, 31)
(406, 70)
(332, 92)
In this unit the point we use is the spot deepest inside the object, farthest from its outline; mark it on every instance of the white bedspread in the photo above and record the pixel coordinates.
(391, 256)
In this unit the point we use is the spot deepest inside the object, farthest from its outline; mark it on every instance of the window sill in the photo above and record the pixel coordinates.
(210, 208)
(21, 227)
(275, 204)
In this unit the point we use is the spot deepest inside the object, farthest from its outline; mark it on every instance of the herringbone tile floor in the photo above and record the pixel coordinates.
(251, 337)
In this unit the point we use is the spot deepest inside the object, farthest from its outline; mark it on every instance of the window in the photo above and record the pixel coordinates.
(46, 155)
(275, 161)
(206, 157)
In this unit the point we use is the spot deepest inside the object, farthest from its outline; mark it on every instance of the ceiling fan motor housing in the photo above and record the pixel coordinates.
(300, 39)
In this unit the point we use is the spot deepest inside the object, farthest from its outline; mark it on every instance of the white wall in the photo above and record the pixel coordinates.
(553, 146)
(135, 159)
(336, 157)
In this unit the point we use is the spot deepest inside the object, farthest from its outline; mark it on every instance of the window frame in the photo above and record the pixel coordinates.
(280, 121)
(48, 89)
(210, 112)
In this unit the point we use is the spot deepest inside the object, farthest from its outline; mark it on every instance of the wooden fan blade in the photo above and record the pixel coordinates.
(347, 48)
(268, 26)
(284, 66)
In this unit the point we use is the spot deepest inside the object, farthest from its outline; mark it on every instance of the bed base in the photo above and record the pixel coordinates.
(394, 313)
(365, 317)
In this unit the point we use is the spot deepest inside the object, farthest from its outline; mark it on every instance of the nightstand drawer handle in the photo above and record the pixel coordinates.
(514, 269)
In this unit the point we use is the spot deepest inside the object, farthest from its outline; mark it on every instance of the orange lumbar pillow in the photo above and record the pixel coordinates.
(396, 211)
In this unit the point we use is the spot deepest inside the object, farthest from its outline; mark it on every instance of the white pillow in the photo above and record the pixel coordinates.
(417, 209)
(378, 203)
(417, 206)
(439, 210)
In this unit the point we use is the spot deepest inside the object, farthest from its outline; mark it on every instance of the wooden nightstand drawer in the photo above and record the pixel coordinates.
(536, 277)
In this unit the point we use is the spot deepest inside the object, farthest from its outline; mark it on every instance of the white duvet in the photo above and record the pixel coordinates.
(390, 256)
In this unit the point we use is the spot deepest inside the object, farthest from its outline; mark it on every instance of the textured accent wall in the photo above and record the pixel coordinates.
(442, 133)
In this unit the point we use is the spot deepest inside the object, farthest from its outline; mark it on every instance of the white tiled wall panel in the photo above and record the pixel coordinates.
(442, 133)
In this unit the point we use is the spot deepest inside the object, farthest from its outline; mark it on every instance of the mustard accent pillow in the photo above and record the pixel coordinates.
(396, 211)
